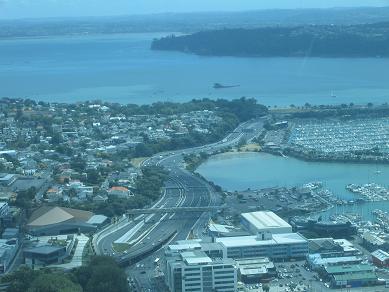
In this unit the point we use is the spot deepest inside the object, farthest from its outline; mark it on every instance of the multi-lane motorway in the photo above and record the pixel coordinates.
(147, 233)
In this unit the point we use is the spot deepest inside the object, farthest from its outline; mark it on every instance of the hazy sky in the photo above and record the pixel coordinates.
(54, 8)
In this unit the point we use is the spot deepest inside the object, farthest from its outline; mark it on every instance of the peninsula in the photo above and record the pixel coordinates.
(345, 41)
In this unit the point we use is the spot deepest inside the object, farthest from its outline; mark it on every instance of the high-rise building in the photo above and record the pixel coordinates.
(195, 271)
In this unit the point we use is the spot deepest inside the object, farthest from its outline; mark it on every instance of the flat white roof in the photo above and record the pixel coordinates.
(253, 271)
(265, 220)
(242, 241)
(219, 228)
(185, 246)
(347, 245)
(318, 260)
(97, 219)
(195, 257)
(5, 177)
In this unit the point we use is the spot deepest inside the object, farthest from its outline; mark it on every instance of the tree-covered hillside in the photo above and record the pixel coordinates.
(315, 40)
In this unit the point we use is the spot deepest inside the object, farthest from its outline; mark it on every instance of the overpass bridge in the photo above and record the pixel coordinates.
(175, 210)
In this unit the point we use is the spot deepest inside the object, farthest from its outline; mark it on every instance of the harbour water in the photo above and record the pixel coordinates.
(261, 170)
(122, 68)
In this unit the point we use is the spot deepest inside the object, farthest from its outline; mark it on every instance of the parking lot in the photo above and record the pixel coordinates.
(296, 275)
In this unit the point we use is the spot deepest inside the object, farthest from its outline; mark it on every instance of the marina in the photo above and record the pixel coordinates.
(256, 171)
(342, 136)
(370, 192)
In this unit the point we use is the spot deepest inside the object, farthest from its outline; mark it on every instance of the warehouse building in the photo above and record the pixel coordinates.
(380, 258)
(316, 261)
(351, 275)
(264, 221)
(329, 247)
(354, 280)
(372, 241)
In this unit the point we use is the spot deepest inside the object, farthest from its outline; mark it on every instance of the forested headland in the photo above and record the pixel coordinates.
(368, 40)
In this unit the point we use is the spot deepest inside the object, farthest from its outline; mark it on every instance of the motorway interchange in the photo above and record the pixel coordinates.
(146, 234)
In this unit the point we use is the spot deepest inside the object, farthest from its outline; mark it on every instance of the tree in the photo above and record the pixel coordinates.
(56, 139)
(143, 150)
(242, 142)
(21, 279)
(107, 278)
(53, 282)
(105, 275)
(266, 288)
(82, 274)
(78, 164)
(24, 198)
(93, 176)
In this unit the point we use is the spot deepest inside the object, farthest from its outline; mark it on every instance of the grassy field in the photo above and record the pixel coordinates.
(250, 148)
(120, 247)
(136, 162)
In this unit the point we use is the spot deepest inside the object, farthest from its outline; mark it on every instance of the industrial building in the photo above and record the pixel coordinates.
(264, 221)
(351, 275)
(194, 270)
(58, 220)
(274, 246)
(317, 261)
(255, 270)
(372, 241)
(335, 229)
(380, 258)
(329, 247)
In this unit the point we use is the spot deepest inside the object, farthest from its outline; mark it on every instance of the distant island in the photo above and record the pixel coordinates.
(368, 40)
(222, 86)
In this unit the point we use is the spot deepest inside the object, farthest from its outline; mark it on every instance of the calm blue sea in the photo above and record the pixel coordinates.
(261, 170)
(122, 68)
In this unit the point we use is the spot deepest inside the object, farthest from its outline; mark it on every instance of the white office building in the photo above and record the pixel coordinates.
(274, 246)
(195, 271)
(195, 265)
(265, 221)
